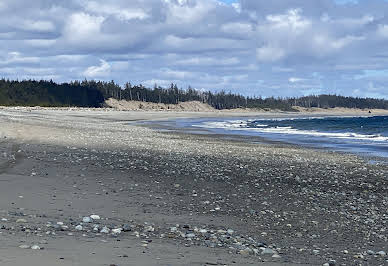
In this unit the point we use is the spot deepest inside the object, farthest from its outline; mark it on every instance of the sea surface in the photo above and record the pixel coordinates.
(365, 135)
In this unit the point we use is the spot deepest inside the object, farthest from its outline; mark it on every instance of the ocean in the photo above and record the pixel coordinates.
(362, 135)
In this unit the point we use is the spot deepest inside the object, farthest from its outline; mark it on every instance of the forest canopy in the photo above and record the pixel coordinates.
(93, 94)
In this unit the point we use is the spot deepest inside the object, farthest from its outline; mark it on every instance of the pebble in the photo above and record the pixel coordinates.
(79, 227)
(127, 228)
(105, 230)
(21, 220)
(268, 251)
(35, 247)
(370, 252)
(95, 217)
(230, 231)
(86, 220)
(246, 252)
(24, 246)
(116, 231)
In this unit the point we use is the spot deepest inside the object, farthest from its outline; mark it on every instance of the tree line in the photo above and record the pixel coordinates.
(48, 93)
(91, 93)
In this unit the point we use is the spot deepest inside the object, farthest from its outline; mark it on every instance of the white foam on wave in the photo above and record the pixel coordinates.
(308, 118)
(261, 128)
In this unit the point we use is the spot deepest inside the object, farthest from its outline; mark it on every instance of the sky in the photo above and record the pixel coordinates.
(253, 47)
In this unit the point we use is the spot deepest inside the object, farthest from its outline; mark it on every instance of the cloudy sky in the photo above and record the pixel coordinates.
(254, 47)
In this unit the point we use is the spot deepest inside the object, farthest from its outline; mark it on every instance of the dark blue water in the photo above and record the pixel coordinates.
(373, 128)
(366, 135)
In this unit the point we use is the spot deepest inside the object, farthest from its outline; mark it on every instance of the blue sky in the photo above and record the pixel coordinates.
(253, 47)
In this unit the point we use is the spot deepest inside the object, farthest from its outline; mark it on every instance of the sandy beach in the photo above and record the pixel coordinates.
(94, 187)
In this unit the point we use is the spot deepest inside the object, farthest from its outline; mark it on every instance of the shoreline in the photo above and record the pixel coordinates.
(235, 203)
(183, 125)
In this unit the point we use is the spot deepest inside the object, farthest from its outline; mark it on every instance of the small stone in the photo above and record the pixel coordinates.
(127, 228)
(381, 253)
(230, 231)
(79, 227)
(35, 247)
(105, 230)
(276, 256)
(95, 217)
(315, 251)
(190, 235)
(370, 252)
(117, 231)
(86, 220)
(332, 263)
(21, 220)
(24, 246)
(246, 252)
(268, 251)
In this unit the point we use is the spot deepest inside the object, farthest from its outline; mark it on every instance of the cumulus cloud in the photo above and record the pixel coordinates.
(102, 70)
(82, 26)
(253, 47)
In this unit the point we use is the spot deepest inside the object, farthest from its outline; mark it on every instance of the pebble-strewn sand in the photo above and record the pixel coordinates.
(166, 198)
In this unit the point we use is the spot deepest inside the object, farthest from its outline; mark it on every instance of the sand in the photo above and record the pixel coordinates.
(59, 165)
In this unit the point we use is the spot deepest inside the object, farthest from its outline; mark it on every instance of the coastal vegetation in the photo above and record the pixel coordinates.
(94, 93)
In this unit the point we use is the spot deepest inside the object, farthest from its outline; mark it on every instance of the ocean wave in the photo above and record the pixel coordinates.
(262, 128)
(279, 119)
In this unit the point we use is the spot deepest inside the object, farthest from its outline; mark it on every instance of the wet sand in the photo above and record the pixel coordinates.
(180, 199)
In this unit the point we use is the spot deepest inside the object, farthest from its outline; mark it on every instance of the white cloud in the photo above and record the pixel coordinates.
(102, 70)
(18, 58)
(82, 26)
(295, 80)
(348, 22)
(237, 7)
(382, 31)
(188, 12)
(291, 21)
(270, 54)
(115, 10)
(345, 41)
(175, 74)
(238, 28)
